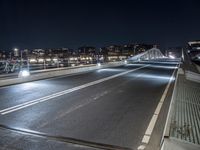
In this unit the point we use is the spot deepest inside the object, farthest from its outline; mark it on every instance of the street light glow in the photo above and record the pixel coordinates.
(55, 59)
(40, 60)
(48, 59)
(24, 73)
(171, 56)
(32, 60)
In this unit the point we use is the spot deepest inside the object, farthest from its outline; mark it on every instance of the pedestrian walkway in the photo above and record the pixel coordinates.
(185, 123)
(176, 144)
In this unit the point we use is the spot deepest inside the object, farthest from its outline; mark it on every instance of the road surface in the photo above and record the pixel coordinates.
(107, 106)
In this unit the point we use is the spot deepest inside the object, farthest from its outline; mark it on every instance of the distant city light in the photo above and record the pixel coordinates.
(40, 60)
(48, 59)
(33, 60)
(55, 59)
(73, 58)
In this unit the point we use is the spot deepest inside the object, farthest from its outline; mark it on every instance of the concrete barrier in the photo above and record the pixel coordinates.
(192, 76)
(56, 72)
(198, 68)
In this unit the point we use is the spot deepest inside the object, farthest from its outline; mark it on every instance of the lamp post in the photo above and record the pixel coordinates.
(21, 59)
(16, 54)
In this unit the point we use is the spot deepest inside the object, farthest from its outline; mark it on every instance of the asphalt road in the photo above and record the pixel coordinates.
(110, 106)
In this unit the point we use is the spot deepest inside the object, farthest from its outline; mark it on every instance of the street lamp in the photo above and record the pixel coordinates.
(16, 52)
(15, 49)
(98, 64)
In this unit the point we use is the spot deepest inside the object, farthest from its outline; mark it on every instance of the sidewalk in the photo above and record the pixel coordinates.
(185, 124)
(184, 127)
(175, 144)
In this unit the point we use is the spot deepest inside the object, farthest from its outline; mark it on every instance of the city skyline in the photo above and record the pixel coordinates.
(78, 47)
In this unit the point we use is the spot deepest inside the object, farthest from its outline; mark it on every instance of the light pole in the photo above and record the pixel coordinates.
(135, 46)
(16, 54)
(21, 59)
(24, 72)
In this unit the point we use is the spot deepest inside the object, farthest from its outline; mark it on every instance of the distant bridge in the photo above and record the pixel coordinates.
(150, 54)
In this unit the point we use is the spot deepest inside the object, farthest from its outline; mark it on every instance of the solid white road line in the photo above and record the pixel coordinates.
(154, 118)
(39, 100)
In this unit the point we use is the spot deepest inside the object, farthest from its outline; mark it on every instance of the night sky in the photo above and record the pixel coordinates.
(65, 23)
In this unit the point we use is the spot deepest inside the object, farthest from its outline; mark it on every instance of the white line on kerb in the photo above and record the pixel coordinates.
(40, 100)
(154, 118)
